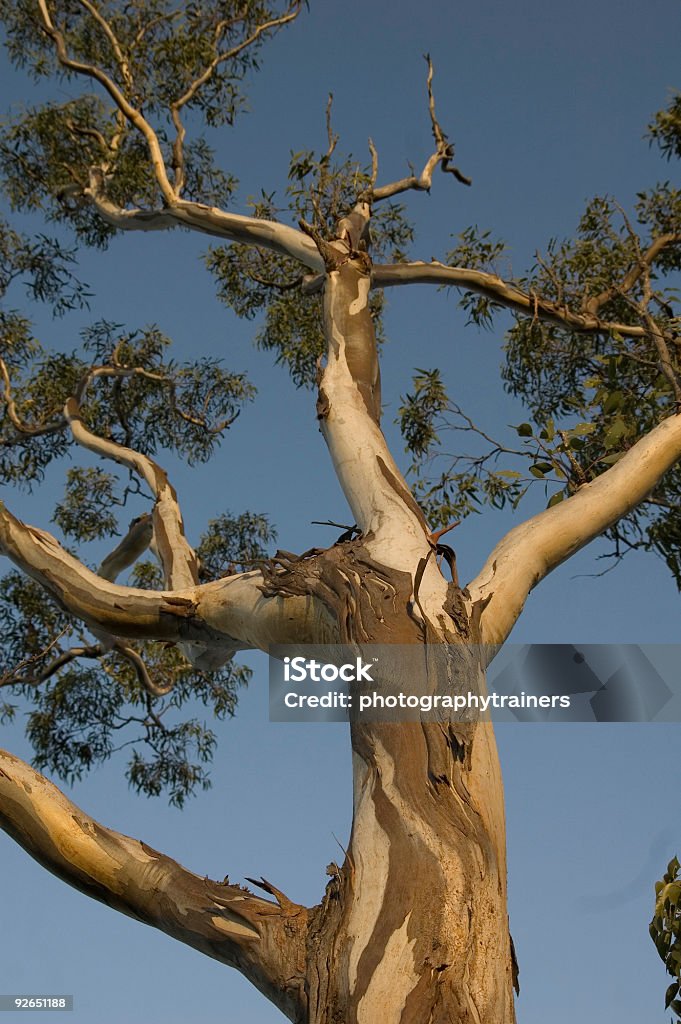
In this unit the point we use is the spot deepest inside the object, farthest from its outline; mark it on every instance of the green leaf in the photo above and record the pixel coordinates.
(556, 498)
(614, 401)
(524, 430)
(617, 431)
(581, 429)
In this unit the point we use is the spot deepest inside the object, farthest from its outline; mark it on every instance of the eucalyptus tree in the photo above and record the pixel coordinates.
(413, 925)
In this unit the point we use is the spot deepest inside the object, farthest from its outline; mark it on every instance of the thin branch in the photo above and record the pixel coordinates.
(28, 429)
(596, 302)
(442, 155)
(133, 115)
(13, 676)
(135, 659)
(205, 76)
(666, 364)
(121, 61)
(178, 559)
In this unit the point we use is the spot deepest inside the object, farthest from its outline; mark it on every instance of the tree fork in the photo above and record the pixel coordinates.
(414, 925)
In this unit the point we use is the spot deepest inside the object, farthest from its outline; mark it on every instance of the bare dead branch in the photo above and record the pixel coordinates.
(443, 156)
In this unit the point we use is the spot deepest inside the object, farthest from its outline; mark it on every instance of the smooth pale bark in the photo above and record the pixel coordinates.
(532, 550)
(229, 614)
(177, 558)
(392, 275)
(208, 220)
(264, 940)
(413, 926)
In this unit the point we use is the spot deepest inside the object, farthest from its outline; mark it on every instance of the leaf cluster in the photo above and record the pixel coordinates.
(256, 282)
(665, 931)
(136, 395)
(590, 394)
(165, 62)
(45, 267)
(93, 705)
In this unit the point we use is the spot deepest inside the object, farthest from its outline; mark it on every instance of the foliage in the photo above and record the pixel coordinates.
(665, 931)
(146, 402)
(45, 266)
(86, 709)
(590, 394)
(48, 151)
(256, 281)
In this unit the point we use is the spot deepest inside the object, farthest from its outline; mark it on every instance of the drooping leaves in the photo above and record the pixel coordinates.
(87, 703)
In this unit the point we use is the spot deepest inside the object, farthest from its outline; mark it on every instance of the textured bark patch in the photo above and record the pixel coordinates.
(369, 601)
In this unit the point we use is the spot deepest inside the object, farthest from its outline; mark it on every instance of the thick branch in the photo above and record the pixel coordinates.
(505, 293)
(224, 616)
(132, 546)
(262, 939)
(209, 220)
(394, 529)
(532, 550)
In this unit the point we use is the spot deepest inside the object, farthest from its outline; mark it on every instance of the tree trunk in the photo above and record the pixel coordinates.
(414, 928)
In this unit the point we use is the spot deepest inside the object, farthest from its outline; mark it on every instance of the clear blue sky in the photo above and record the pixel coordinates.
(547, 105)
